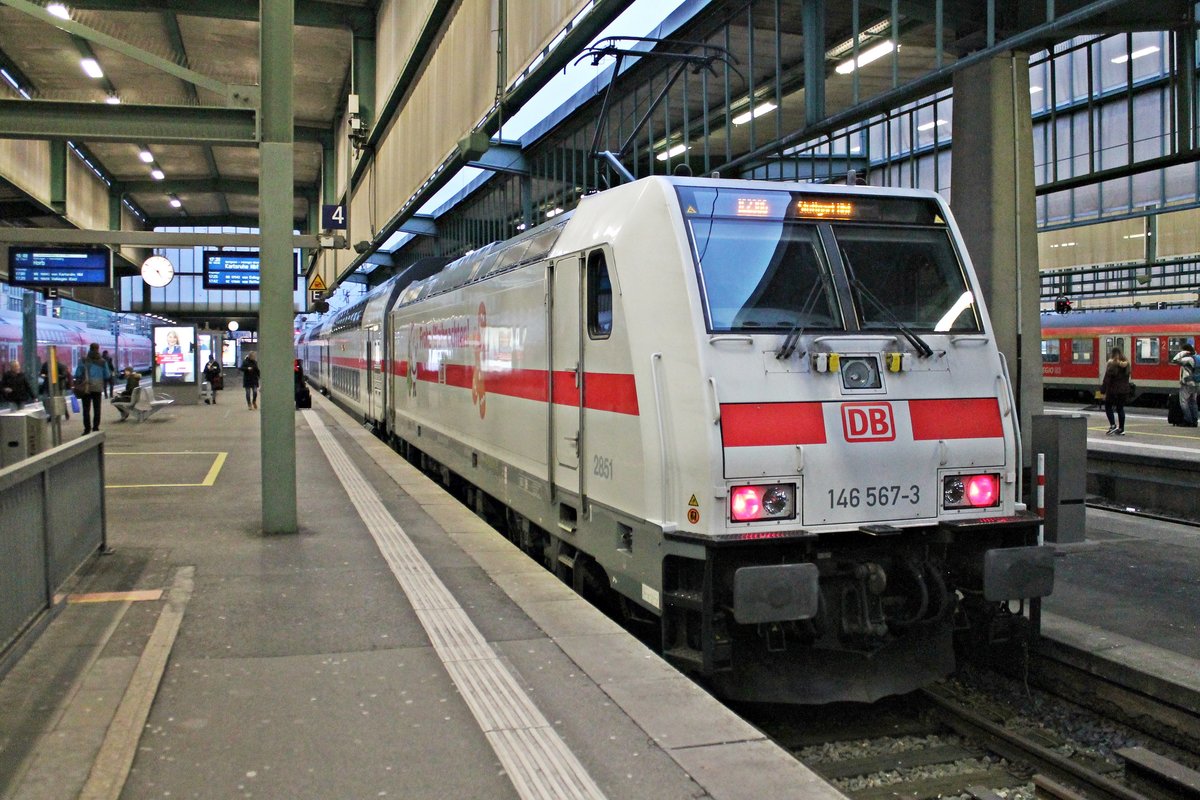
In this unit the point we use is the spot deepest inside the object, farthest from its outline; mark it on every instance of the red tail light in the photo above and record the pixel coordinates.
(983, 491)
(746, 504)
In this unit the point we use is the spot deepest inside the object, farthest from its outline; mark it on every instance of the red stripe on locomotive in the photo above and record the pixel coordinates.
(966, 418)
(772, 424)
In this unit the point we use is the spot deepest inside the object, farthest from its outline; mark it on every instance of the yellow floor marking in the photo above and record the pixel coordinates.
(116, 597)
(209, 479)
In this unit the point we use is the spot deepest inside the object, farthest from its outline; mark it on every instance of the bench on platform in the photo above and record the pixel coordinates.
(141, 405)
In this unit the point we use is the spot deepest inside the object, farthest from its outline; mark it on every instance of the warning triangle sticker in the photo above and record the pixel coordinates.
(691, 210)
(316, 284)
(693, 501)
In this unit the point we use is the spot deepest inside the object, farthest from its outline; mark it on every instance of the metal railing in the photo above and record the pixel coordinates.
(51, 520)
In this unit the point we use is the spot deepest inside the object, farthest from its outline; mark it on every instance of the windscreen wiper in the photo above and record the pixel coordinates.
(797, 330)
(923, 349)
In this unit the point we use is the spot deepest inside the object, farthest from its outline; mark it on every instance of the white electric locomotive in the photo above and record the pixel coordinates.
(772, 416)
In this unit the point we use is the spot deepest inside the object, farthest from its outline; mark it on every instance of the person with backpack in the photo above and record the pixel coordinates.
(91, 375)
(1186, 359)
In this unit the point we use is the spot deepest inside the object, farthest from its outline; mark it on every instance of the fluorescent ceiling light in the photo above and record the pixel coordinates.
(928, 126)
(866, 57)
(24, 94)
(10, 79)
(157, 174)
(764, 107)
(91, 68)
(678, 149)
(176, 202)
(1145, 51)
(146, 156)
(113, 100)
(59, 10)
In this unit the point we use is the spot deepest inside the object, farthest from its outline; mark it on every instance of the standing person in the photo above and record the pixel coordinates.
(1116, 391)
(1186, 359)
(112, 374)
(92, 372)
(212, 374)
(14, 388)
(250, 376)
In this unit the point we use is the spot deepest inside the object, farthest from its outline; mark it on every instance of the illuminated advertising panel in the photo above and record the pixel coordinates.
(175, 354)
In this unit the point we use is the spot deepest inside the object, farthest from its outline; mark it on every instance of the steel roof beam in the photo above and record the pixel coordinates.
(65, 236)
(203, 185)
(99, 122)
(503, 157)
(309, 13)
(175, 37)
(419, 225)
(234, 95)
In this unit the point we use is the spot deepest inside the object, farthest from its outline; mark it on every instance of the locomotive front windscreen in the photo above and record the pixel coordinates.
(765, 275)
(772, 260)
(910, 275)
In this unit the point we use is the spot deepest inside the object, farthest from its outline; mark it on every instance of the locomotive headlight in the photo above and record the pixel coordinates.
(952, 492)
(971, 491)
(861, 373)
(755, 503)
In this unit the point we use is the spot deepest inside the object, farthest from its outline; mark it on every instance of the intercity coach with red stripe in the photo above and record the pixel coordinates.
(770, 418)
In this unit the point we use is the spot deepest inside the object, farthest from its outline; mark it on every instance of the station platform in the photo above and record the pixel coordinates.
(395, 647)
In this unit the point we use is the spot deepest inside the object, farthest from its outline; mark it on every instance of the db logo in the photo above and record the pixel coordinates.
(868, 422)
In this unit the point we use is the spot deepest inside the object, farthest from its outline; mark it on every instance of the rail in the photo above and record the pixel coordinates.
(52, 506)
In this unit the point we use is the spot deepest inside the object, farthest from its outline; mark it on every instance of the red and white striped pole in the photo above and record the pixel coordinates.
(1041, 497)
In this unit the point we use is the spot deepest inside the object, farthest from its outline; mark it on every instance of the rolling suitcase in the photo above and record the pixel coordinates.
(1174, 412)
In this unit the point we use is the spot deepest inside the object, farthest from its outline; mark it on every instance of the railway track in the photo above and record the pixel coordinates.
(954, 741)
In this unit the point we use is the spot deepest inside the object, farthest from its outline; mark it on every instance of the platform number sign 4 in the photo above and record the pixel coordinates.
(333, 217)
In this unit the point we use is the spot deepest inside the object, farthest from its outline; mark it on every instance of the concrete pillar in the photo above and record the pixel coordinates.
(992, 196)
(275, 313)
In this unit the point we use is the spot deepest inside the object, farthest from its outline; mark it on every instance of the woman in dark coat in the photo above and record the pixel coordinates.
(1116, 391)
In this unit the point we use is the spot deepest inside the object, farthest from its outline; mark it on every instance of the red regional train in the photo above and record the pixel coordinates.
(72, 339)
(1075, 347)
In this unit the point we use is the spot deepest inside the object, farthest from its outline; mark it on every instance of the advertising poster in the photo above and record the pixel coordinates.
(175, 355)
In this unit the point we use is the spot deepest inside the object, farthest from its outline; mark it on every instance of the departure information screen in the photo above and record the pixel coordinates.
(227, 269)
(60, 266)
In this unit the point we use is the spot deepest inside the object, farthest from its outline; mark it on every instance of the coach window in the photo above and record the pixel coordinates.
(1145, 350)
(1176, 343)
(599, 297)
(1049, 351)
(1083, 351)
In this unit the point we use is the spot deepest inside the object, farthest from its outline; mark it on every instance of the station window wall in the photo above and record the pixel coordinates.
(185, 294)
(1085, 94)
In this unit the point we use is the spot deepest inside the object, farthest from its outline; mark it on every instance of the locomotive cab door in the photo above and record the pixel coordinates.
(566, 372)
